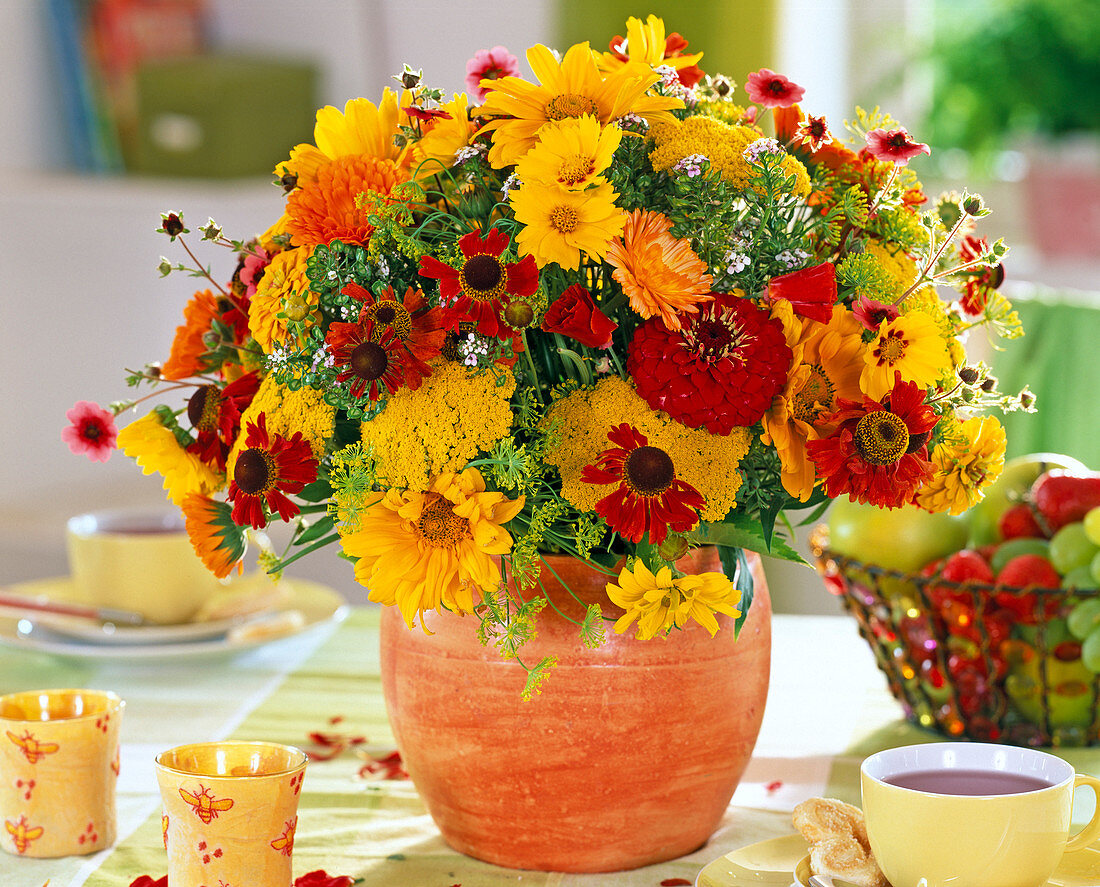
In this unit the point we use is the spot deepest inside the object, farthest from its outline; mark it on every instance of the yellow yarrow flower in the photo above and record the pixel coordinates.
(660, 603)
(580, 421)
(969, 458)
(453, 416)
(284, 281)
(911, 345)
(288, 411)
(570, 153)
(432, 550)
(155, 449)
(559, 224)
(722, 145)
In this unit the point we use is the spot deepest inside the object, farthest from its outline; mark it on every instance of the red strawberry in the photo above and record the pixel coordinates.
(1029, 569)
(1017, 521)
(1063, 496)
(967, 566)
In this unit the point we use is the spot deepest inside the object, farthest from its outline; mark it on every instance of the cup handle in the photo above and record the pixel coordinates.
(1091, 831)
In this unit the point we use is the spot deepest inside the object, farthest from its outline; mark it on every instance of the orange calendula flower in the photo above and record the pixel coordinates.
(186, 357)
(218, 542)
(658, 272)
(573, 87)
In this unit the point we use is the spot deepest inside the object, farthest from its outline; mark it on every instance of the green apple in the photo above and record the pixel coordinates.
(902, 539)
(1016, 479)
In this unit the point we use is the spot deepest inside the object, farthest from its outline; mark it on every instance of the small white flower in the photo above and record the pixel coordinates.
(761, 147)
(692, 165)
(510, 183)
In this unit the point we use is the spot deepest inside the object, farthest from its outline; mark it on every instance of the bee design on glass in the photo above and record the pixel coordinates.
(32, 749)
(205, 805)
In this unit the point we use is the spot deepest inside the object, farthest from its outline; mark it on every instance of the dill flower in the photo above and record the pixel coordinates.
(968, 459)
(432, 549)
(438, 428)
(909, 346)
(218, 542)
(559, 224)
(659, 273)
(155, 449)
(288, 412)
(722, 144)
(571, 153)
(574, 87)
(658, 603)
(284, 287)
(579, 423)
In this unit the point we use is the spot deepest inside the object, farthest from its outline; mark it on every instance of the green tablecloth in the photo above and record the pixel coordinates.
(827, 709)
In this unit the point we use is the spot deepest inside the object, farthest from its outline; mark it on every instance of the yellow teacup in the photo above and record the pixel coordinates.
(948, 814)
(230, 812)
(58, 769)
(140, 560)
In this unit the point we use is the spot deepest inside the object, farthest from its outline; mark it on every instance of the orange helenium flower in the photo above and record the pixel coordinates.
(188, 348)
(658, 272)
(328, 209)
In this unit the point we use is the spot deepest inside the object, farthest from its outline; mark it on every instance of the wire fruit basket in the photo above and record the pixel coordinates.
(991, 663)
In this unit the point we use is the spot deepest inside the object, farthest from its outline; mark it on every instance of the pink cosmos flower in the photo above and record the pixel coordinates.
(894, 144)
(772, 90)
(489, 64)
(872, 313)
(92, 432)
(253, 268)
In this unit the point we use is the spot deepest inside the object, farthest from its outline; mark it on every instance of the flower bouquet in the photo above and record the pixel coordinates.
(599, 320)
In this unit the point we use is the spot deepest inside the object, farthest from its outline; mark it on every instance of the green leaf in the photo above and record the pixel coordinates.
(743, 531)
(318, 491)
(736, 567)
(315, 531)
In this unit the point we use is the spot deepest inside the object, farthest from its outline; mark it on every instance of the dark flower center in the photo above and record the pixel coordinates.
(254, 472)
(91, 431)
(897, 140)
(881, 438)
(203, 407)
(439, 526)
(815, 396)
(649, 471)
(482, 273)
(776, 87)
(369, 361)
(714, 337)
(390, 314)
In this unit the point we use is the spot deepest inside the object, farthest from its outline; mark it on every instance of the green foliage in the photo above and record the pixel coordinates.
(593, 627)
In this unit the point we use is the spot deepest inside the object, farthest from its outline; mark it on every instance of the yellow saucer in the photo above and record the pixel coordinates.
(772, 863)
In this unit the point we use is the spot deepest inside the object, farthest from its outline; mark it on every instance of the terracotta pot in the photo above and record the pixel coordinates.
(628, 757)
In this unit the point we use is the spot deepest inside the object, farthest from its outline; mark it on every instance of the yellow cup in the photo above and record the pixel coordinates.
(140, 560)
(58, 769)
(230, 812)
(948, 814)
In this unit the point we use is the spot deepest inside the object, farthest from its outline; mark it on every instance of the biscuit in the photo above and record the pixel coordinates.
(837, 835)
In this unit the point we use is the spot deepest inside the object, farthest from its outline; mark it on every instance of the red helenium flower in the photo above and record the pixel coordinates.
(426, 114)
(92, 431)
(895, 145)
(980, 280)
(720, 371)
(480, 286)
(811, 291)
(371, 359)
(771, 90)
(878, 453)
(270, 467)
(649, 497)
(574, 314)
(215, 414)
(417, 326)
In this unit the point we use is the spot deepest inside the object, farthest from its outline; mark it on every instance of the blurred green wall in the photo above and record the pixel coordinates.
(736, 37)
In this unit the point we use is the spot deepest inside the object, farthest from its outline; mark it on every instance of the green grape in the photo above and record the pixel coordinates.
(1070, 548)
(1092, 525)
(1084, 618)
(1095, 567)
(1006, 551)
(1080, 577)
(1090, 652)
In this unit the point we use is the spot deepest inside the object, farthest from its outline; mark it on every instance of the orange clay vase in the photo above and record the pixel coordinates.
(628, 757)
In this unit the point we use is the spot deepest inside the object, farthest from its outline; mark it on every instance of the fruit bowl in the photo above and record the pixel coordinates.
(988, 662)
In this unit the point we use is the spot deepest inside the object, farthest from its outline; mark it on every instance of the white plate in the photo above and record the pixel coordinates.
(306, 606)
(772, 864)
(62, 590)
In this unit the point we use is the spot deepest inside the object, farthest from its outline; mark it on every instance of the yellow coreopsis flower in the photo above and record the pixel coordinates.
(969, 458)
(559, 224)
(573, 87)
(571, 153)
(155, 449)
(910, 345)
(659, 603)
(432, 550)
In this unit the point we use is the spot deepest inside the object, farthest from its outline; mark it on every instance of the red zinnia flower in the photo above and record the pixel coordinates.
(772, 90)
(649, 497)
(489, 64)
(895, 145)
(370, 356)
(92, 432)
(215, 414)
(266, 471)
(720, 371)
(482, 284)
(811, 291)
(878, 453)
(416, 325)
(980, 280)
